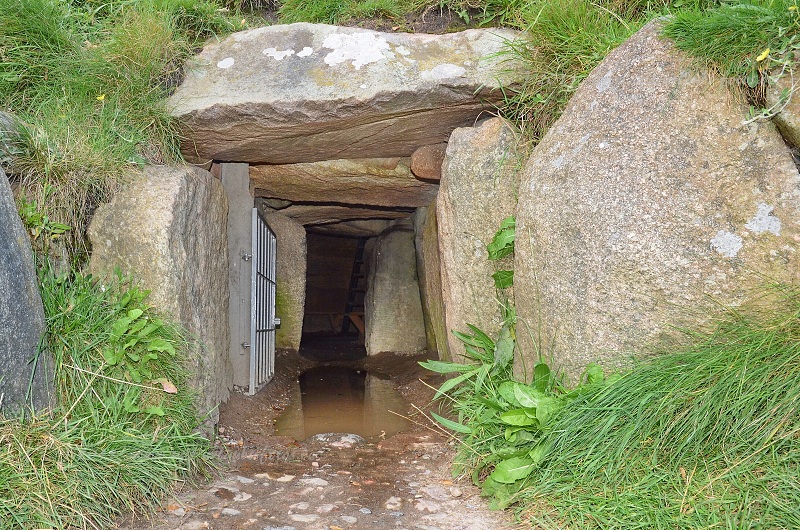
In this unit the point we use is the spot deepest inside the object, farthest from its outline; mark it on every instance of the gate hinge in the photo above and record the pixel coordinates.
(245, 345)
(246, 256)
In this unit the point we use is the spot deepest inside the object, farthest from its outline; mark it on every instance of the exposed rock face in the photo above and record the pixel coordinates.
(788, 118)
(321, 213)
(21, 317)
(290, 285)
(376, 182)
(426, 242)
(364, 228)
(426, 162)
(478, 190)
(308, 92)
(647, 195)
(168, 229)
(393, 310)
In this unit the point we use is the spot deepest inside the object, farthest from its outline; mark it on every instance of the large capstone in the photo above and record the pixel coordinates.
(167, 228)
(648, 202)
(308, 92)
(393, 310)
(375, 182)
(478, 190)
(26, 377)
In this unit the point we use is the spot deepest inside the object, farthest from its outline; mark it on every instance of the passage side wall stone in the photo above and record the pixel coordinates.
(21, 317)
(429, 271)
(168, 230)
(647, 200)
(393, 310)
(477, 191)
(290, 285)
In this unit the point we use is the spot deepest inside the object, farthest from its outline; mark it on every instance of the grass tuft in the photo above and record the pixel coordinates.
(120, 436)
(707, 437)
(87, 84)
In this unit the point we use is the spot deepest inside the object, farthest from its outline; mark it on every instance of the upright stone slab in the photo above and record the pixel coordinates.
(21, 317)
(235, 178)
(429, 271)
(647, 200)
(303, 92)
(168, 230)
(291, 278)
(393, 310)
(478, 190)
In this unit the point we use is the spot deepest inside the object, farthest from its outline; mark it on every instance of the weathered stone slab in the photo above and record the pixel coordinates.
(21, 317)
(290, 284)
(426, 243)
(646, 200)
(168, 229)
(478, 190)
(376, 181)
(363, 228)
(308, 92)
(321, 213)
(393, 310)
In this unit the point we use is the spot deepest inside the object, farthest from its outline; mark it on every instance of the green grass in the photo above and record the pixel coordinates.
(87, 82)
(704, 437)
(707, 437)
(117, 441)
(748, 41)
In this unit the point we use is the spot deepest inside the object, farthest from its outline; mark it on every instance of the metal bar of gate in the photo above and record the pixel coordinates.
(262, 307)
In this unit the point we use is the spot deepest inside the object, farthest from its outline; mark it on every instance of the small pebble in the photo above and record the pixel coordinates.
(301, 506)
(349, 519)
(365, 511)
(425, 505)
(284, 478)
(314, 482)
(396, 514)
(314, 464)
(326, 508)
(194, 525)
(304, 518)
(230, 512)
(393, 503)
(455, 491)
(245, 480)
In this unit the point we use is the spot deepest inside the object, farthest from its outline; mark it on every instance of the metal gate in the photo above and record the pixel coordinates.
(262, 304)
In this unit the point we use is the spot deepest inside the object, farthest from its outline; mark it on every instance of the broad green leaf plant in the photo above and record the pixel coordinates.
(500, 421)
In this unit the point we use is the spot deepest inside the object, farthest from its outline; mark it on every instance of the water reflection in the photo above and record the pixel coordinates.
(344, 400)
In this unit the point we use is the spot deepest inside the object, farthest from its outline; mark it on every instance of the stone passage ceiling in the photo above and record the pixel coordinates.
(281, 97)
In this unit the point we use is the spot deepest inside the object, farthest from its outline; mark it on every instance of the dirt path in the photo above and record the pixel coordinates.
(331, 481)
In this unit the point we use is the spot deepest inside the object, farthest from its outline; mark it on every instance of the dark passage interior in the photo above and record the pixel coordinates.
(333, 323)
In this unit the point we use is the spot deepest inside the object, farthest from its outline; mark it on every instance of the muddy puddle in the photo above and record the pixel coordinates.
(335, 399)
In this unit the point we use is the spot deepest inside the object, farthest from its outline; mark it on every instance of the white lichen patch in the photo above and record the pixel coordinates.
(402, 50)
(226, 63)
(278, 55)
(358, 48)
(726, 243)
(305, 52)
(444, 71)
(764, 221)
(605, 82)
